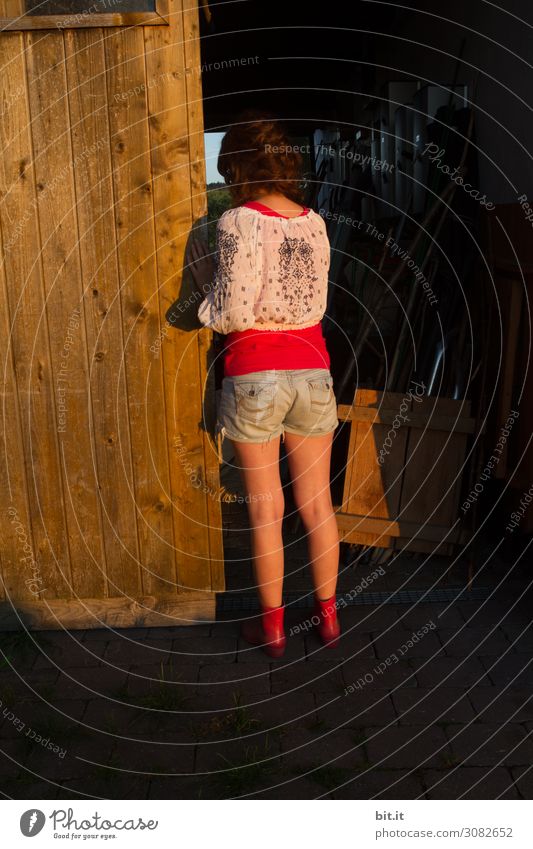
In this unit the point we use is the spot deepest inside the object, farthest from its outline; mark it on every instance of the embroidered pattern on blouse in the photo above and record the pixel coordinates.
(269, 274)
(296, 276)
(227, 247)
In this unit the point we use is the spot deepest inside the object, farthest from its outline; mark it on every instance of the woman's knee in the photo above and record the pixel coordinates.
(266, 511)
(316, 510)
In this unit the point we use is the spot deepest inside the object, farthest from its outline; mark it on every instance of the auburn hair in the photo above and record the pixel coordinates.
(256, 156)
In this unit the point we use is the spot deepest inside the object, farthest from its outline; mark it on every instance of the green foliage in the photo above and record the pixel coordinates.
(255, 766)
(166, 694)
(218, 200)
(236, 722)
(20, 646)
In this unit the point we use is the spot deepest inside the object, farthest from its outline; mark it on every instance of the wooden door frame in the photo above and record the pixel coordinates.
(16, 19)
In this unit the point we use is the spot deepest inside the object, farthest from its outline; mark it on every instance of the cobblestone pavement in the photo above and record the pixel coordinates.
(196, 713)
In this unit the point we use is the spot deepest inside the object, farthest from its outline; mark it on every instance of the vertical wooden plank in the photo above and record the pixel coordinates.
(510, 297)
(88, 106)
(432, 478)
(165, 75)
(30, 339)
(19, 572)
(372, 489)
(132, 180)
(193, 61)
(56, 199)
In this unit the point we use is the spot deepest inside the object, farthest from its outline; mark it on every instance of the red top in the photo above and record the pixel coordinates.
(258, 350)
(251, 350)
(266, 210)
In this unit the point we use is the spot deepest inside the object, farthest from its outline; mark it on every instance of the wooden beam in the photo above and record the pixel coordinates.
(376, 416)
(349, 524)
(140, 612)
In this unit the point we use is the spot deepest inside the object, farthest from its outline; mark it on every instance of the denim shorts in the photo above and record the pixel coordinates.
(262, 405)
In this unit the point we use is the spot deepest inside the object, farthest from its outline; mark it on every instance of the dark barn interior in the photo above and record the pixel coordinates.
(416, 154)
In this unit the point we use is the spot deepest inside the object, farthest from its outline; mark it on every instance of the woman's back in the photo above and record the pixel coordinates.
(271, 270)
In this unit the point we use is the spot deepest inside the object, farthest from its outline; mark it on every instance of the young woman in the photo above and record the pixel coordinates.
(266, 292)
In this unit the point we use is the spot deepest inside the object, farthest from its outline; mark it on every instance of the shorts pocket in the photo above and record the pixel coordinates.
(254, 400)
(320, 392)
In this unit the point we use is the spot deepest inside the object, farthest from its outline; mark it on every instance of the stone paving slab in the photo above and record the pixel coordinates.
(371, 706)
(25, 646)
(33, 712)
(37, 721)
(175, 753)
(496, 612)
(415, 616)
(20, 683)
(254, 756)
(362, 672)
(395, 641)
(110, 633)
(246, 653)
(307, 750)
(451, 672)
(13, 756)
(313, 677)
(502, 704)
(33, 789)
(228, 696)
(146, 679)
(373, 783)
(366, 618)
(108, 786)
(513, 669)
(158, 726)
(523, 779)
(204, 650)
(295, 787)
(67, 653)
(169, 787)
(251, 678)
(123, 653)
(469, 783)
(465, 641)
(86, 682)
(287, 711)
(204, 719)
(202, 629)
(110, 717)
(227, 625)
(49, 766)
(350, 647)
(520, 635)
(425, 706)
(402, 746)
(484, 744)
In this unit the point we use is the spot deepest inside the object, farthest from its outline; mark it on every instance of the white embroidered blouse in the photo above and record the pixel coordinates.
(271, 272)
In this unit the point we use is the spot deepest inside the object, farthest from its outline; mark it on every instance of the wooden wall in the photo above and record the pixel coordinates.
(101, 178)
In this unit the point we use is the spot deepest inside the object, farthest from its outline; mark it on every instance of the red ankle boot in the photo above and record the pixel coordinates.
(267, 631)
(328, 625)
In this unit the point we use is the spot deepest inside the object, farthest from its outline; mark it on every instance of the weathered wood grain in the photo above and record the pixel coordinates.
(101, 179)
(88, 107)
(65, 312)
(29, 344)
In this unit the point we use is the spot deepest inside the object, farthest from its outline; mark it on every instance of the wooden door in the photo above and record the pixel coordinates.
(109, 471)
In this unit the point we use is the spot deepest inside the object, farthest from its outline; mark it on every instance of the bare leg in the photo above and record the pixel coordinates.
(259, 468)
(309, 459)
